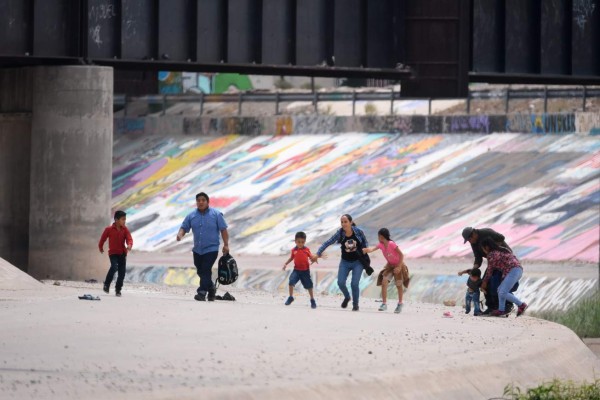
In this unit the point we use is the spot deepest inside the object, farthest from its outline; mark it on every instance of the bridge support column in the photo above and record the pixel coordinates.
(71, 168)
(15, 147)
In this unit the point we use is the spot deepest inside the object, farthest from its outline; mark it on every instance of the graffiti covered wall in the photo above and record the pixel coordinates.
(542, 192)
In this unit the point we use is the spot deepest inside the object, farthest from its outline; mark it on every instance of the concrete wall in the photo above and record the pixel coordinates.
(71, 165)
(587, 123)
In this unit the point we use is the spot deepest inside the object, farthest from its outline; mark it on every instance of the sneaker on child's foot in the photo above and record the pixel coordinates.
(200, 297)
(467, 310)
(118, 294)
(106, 289)
(398, 309)
(383, 307)
(477, 313)
(521, 309)
(355, 307)
(289, 300)
(345, 302)
(313, 303)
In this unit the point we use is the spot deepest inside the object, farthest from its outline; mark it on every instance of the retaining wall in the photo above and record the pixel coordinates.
(585, 123)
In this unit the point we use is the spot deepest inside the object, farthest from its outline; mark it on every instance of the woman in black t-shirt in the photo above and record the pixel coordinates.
(352, 241)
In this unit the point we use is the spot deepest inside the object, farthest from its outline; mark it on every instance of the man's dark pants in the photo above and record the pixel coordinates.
(118, 262)
(204, 264)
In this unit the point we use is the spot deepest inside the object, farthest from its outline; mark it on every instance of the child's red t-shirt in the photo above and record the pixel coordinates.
(301, 258)
(118, 240)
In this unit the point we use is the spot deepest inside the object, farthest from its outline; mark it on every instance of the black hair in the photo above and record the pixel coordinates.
(202, 194)
(492, 245)
(385, 233)
(349, 218)
(300, 235)
(119, 214)
(476, 272)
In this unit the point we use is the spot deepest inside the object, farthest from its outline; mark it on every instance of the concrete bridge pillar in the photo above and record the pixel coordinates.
(15, 148)
(71, 168)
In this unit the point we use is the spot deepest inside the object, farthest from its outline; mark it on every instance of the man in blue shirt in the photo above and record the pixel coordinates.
(205, 223)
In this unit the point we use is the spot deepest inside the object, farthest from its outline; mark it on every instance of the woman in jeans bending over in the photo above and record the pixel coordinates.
(504, 260)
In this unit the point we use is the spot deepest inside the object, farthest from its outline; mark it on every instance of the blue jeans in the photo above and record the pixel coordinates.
(118, 263)
(505, 287)
(343, 272)
(204, 264)
(474, 297)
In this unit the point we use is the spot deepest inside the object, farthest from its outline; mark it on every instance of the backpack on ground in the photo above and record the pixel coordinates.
(227, 271)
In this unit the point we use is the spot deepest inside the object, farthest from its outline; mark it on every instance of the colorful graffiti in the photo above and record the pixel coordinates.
(170, 82)
(542, 192)
(542, 293)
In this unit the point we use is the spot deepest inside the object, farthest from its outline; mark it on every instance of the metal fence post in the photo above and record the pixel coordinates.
(277, 102)
(506, 100)
(584, 99)
(164, 104)
(545, 99)
(429, 106)
(240, 104)
(468, 102)
(125, 106)
(201, 102)
(392, 102)
(316, 102)
(353, 103)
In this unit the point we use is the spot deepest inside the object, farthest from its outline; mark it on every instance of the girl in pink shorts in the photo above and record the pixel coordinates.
(394, 267)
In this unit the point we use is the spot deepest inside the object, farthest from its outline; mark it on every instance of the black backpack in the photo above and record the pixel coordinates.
(227, 272)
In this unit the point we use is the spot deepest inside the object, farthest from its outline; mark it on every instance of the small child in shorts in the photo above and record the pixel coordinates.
(301, 257)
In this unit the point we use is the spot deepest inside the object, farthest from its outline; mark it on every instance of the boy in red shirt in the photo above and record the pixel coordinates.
(300, 255)
(118, 236)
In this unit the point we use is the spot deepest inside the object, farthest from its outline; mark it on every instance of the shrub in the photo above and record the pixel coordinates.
(556, 390)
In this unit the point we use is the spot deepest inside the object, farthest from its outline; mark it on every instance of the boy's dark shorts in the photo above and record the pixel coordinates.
(302, 276)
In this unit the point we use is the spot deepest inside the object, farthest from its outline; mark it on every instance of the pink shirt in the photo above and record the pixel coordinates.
(389, 252)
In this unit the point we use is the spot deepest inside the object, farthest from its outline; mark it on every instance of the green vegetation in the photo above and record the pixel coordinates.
(583, 318)
(556, 390)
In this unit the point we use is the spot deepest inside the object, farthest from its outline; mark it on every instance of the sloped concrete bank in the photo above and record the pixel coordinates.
(564, 123)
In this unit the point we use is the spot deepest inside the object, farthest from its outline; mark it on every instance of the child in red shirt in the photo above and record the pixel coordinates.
(118, 236)
(301, 256)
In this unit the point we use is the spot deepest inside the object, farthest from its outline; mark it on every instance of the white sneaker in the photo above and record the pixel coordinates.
(383, 307)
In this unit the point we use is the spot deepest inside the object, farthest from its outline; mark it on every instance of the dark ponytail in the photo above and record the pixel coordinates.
(493, 246)
(385, 233)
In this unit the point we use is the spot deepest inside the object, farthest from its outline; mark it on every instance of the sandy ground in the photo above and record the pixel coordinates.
(156, 342)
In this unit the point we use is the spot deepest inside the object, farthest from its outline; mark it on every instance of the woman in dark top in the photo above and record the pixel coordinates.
(352, 240)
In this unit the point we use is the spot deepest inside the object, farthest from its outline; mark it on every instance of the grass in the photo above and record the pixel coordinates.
(556, 390)
(583, 318)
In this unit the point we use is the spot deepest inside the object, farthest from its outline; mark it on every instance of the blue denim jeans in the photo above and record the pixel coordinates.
(204, 264)
(118, 263)
(474, 297)
(505, 287)
(344, 270)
